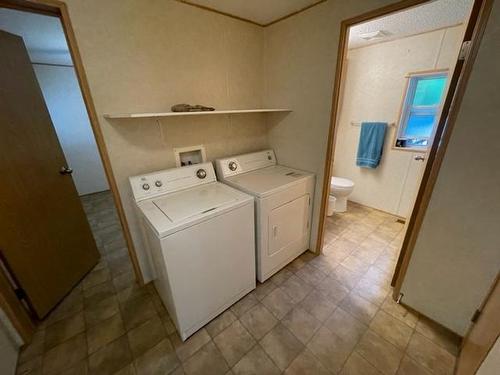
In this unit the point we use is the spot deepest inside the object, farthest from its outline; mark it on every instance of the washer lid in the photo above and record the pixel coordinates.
(176, 211)
(192, 202)
(342, 182)
(269, 180)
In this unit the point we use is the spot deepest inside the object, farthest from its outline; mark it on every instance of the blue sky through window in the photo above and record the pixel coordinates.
(429, 91)
(420, 125)
(422, 108)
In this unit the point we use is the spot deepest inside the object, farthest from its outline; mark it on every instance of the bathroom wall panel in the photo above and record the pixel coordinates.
(374, 88)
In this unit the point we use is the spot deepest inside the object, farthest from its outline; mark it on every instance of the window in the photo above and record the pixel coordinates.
(421, 109)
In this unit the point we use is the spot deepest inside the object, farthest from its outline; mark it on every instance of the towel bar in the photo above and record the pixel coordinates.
(354, 123)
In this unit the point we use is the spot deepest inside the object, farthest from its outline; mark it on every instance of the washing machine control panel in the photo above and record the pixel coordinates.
(245, 163)
(170, 180)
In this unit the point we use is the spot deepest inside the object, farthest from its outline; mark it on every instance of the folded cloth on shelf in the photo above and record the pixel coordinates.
(190, 108)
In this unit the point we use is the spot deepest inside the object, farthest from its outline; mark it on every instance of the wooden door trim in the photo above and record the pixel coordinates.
(209, 9)
(16, 313)
(475, 29)
(463, 69)
(339, 76)
(493, 326)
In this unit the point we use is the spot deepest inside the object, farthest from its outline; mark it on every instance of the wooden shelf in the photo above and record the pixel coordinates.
(201, 113)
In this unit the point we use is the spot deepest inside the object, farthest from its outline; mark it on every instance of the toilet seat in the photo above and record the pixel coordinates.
(341, 183)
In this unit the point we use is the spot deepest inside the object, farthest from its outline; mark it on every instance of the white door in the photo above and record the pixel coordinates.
(411, 184)
(287, 224)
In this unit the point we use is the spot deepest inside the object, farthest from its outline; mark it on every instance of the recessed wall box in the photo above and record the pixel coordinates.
(189, 155)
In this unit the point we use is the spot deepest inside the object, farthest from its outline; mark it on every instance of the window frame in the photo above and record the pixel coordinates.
(406, 108)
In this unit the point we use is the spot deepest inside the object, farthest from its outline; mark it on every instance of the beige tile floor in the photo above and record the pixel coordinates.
(330, 314)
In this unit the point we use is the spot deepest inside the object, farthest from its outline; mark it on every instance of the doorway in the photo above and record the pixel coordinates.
(395, 78)
(368, 243)
(54, 67)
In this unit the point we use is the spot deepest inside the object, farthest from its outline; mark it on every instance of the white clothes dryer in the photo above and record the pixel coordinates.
(283, 206)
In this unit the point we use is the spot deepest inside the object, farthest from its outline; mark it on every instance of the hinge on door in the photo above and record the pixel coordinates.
(309, 201)
(475, 316)
(20, 293)
(464, 50)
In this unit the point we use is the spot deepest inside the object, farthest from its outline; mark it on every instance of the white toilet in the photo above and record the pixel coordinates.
(340, 188)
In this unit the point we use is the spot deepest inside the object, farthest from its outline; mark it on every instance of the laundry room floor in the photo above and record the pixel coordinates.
(320, 315)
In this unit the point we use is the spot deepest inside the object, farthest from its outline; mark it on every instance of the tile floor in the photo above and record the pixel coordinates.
(330, 314)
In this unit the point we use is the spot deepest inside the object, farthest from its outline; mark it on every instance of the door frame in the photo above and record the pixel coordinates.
(483, 322)
(474, 32)
(13, 308)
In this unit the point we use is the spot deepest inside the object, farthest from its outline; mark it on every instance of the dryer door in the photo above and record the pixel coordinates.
(288, 224)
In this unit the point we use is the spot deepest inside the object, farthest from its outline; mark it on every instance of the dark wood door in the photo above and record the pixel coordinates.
(45, 239)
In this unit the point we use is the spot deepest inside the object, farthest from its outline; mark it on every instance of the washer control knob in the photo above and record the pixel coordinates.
(201, 173)
(158, 183)
(232, 165)
(145, 186)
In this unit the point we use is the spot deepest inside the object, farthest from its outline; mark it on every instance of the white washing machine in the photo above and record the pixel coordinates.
(200, 235)
(283, 206)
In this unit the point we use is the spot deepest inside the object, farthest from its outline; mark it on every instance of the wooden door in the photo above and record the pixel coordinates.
(482, 334)
(45, 239)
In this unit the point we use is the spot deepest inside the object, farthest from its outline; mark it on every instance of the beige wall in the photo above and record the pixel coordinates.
(144, 56)
(491, 363)
(299, 61)
(373, 91)
(10, 342)
(69, 116)
(457, 254)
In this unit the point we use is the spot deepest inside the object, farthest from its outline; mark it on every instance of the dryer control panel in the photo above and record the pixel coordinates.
(235, 165)
(170, 180)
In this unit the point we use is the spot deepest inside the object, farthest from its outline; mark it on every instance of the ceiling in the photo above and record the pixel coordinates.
(43, 35)
(46, 43)
(262, 12)
(431, 16)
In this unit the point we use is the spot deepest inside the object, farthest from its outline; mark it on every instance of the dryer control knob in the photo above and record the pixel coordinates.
(145, 186)
(201, 173)
(232, 166)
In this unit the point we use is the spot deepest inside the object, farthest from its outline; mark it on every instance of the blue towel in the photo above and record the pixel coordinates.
(371, 144)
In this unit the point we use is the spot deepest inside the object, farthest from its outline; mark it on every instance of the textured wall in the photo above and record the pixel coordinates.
(457, 254)
(491, 363)
(68, 113)
(10, 343)
(299, 61)
(144, 56)
(373, 91)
